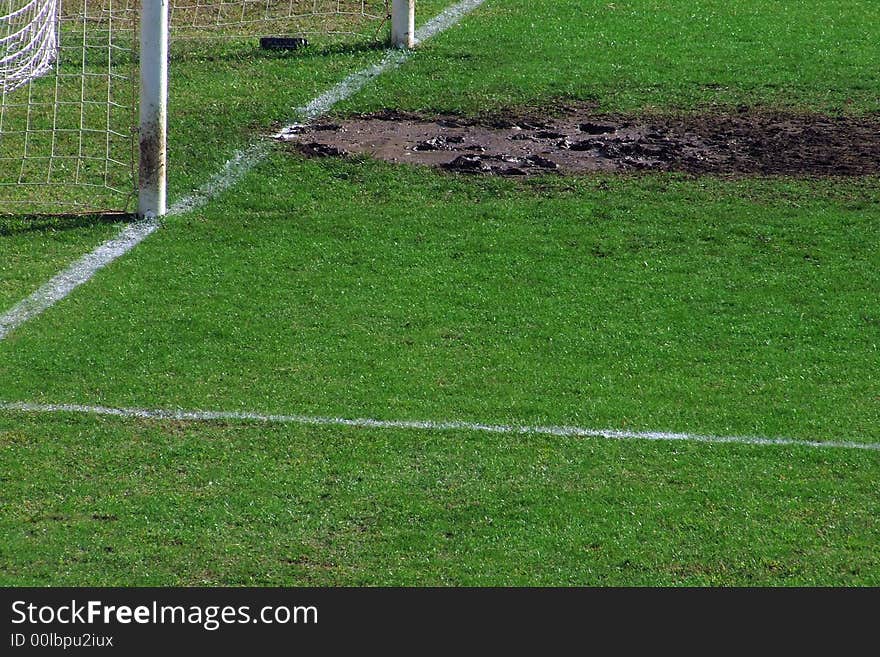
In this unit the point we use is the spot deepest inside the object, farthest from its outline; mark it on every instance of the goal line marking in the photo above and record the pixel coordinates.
(430, 425)
(241, 163)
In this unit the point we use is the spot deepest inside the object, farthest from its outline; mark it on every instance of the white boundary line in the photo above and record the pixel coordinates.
(430, 425)
(62, 284)
(81, 271)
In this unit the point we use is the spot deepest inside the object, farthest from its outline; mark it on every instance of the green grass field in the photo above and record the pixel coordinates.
(354, 288)
(35, 250)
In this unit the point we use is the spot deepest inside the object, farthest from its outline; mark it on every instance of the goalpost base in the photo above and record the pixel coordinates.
(403, 23)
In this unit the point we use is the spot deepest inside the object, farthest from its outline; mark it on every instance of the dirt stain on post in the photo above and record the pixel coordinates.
(748, 142)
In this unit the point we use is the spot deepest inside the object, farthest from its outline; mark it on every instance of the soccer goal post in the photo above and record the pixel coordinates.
(84, 95)
(153, 124)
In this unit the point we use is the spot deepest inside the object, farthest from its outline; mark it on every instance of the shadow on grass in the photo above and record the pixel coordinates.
(35, 223)
(252, 50)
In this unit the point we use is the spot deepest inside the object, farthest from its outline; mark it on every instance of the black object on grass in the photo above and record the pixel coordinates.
(283, 43)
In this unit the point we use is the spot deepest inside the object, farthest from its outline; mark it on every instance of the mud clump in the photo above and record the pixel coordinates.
(748, 142)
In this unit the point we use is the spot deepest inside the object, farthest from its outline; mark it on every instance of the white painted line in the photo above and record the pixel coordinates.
(234, 170)
(75, 275)
(429, 425)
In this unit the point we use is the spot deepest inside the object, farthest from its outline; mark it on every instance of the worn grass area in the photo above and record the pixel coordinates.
(109, 502)
(647, 55)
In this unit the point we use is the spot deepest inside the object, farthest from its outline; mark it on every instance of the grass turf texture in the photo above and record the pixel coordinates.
(32, 250)
(108, 502)
(655, 303)
(646, 55)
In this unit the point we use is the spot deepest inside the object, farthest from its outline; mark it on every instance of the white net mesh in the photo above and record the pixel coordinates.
(67, 105)
(68, 85)
(28, 44)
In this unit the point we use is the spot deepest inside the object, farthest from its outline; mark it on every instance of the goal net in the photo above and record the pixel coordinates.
(69, 72)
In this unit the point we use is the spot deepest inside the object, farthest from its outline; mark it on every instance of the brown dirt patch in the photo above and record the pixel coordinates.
(744, 143)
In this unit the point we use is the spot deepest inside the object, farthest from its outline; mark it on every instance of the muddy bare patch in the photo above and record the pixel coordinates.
(744, 143)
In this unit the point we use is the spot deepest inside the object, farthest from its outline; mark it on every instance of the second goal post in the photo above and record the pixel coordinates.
(154, 40)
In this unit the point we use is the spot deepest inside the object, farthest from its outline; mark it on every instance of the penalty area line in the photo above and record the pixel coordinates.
(430, 425)
(240, 164)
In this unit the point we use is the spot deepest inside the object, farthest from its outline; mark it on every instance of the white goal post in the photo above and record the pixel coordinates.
(403, 23)
(84, 86)
(153, 123)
